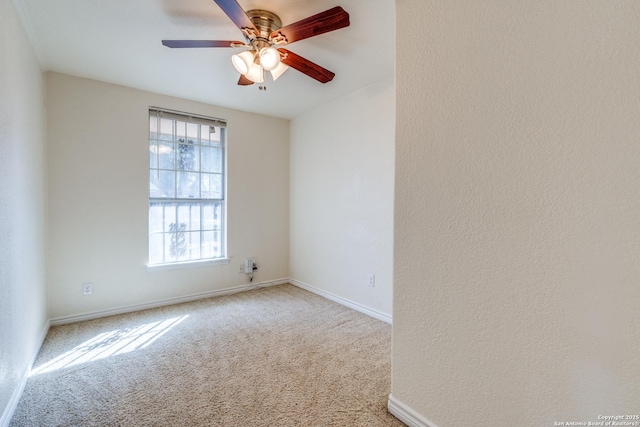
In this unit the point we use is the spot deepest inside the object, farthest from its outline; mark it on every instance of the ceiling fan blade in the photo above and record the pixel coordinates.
(244, 81)
(201, 43)
(236, 14)
(323, 22)
(305, 66)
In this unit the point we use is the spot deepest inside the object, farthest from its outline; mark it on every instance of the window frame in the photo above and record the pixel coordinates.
(218, 204)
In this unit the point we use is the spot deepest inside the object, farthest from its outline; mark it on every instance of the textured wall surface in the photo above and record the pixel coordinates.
(22, 203)
(518, 193)
(342, 196)
(98, 198)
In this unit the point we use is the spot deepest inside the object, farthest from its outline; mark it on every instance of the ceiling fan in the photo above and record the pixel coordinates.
(264, 34)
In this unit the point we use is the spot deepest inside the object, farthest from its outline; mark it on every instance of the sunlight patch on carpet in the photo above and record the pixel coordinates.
(109, 344)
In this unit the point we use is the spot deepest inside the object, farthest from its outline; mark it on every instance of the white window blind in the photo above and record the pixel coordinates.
(186, 187)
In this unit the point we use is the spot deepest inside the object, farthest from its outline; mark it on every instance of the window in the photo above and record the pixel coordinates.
(186, 187)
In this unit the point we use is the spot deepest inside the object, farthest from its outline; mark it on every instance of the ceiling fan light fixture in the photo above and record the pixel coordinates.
(277, 72)
(263, 33)
(255, 73)
(243, 61)
(269, 58)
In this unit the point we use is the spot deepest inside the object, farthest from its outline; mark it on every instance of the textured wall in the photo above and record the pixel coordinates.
(22, 203)
(98, 198)
(342, 196)
(518, 191)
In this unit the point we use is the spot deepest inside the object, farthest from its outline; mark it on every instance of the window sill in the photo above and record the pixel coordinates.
(187, 264)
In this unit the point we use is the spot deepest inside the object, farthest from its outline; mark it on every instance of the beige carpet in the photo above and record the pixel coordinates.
(279, 356)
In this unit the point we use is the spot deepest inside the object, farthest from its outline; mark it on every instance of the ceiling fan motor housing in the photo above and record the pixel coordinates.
(266, 23)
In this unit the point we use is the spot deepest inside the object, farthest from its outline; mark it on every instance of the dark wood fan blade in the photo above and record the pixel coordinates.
(200, 43)
(244, 81)
(236, 14)
(305, 66)
(323, 22)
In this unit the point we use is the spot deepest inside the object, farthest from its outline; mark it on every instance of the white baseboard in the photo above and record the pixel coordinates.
(161, 303)
(407, 415)
(343, 301)
(17, 392)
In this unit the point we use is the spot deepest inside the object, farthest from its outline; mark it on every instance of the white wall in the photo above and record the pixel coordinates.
(23, 315)
(98, 198)
(518, 189)
(341, 179)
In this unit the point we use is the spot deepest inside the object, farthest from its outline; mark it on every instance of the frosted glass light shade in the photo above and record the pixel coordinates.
(277, 72)
(255, 73)
(269, 58)
(243, 61)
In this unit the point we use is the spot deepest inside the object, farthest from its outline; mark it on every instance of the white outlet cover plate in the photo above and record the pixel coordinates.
(372, 280)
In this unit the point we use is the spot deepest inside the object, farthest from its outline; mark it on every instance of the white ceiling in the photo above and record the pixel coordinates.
(119, 41)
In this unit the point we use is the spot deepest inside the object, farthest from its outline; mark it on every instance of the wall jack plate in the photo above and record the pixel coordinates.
(87, 288)
(248, 266)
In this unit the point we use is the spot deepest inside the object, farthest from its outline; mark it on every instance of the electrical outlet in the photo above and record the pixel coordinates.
(241, 268)
(87, 288)
(372, 280)
(248, 266)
